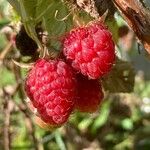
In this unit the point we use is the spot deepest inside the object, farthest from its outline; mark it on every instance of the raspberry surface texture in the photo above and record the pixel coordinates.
(89, 96)
(90, 49)
(51, 87)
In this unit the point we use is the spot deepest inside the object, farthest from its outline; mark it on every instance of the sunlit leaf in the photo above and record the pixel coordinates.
(15, 4)
(127, 124)
(55, 25)
(120, 79)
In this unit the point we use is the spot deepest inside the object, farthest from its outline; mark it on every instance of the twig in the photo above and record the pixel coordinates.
(7, 111)
(137, 17)
(23, 108)
(79, 141)
(19, 80)
(29, 124)
(89, 7)
(7, 49)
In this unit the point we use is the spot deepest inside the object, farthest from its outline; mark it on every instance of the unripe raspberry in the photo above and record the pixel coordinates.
(89, 96)
(90, 49)
(51, 86)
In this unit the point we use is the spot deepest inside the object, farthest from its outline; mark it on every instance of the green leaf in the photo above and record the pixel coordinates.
(42, 7)
(113, 26)
(4, 22)
(34, 11)
(15, 4)
(30, 7)
(103, 116)
(127, 124)
(60, 141)
(85, 123)
(55, 25)
(37, 8)
(7, 76)
(3, 41)
(120, 79)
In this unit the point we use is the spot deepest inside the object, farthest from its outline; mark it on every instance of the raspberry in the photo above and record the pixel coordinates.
(89, 94)
(90, 49)
(51, 85)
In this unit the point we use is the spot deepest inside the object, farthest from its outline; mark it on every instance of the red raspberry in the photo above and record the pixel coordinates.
(89, 94)
(51, 85)
(90, 49)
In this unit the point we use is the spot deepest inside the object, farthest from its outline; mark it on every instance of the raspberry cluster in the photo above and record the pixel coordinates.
(57, 87)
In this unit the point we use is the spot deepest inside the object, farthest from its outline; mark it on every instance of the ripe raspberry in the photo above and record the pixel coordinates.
(51, 85)
(90, 49)
(89, 94)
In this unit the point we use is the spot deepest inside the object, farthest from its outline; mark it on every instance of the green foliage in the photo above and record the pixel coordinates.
(113, 26)
(127, 124)
(85, 123)
(34, 11)
(103, 116)
(7, 76)
(51, 14)
(2, 41)
(109, 128)
(142, 85)
(121, 78)
(60, 141)
(15, 5)
(3, 23)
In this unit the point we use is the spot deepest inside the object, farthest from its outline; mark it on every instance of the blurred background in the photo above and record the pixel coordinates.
(122, 122)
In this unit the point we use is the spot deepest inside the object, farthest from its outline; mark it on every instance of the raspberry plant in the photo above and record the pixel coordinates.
(75, 71)
(89, 49)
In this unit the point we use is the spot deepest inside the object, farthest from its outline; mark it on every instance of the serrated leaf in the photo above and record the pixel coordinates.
(55, 25)
(113, 26)
(34, 11)
(15, 4)
(42, 7)
(28, 11)
(120, 79)
(30, 7)
(33, 8)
